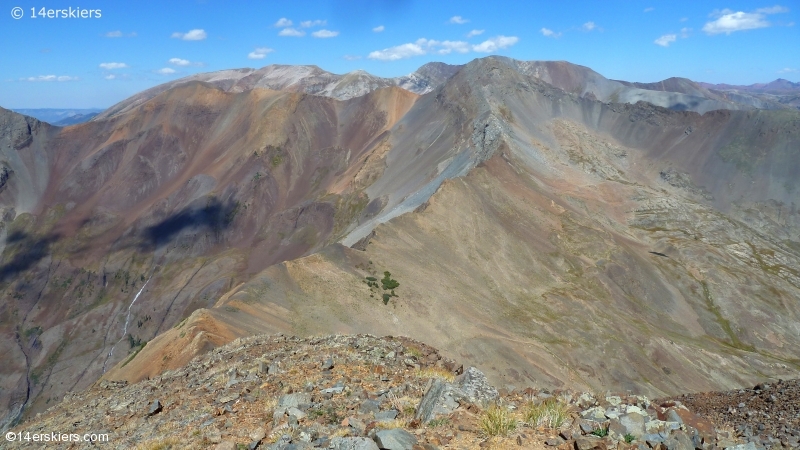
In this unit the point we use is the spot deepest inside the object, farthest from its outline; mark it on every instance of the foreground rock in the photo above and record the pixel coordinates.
(357, 393)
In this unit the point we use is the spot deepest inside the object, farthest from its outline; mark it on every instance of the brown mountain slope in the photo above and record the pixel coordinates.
(195, 189)
(588, 244)
(543, 233)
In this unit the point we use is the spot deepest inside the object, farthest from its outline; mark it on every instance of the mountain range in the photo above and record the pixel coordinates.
(559, 228)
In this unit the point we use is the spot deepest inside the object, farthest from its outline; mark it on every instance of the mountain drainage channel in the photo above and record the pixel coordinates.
(127, 320)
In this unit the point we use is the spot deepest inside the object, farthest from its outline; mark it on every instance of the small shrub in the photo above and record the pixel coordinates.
(388, 283)
(600, 432)
(629, 438)
(440, 422)
(497, 421)
(386, 298)
(550, 413)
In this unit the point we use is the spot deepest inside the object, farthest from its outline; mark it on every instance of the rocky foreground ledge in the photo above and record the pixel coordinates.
(367, 393)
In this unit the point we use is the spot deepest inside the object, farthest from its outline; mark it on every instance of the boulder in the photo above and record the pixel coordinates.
(395, 439)
(476, 386)
(352, 443)
(441, 398)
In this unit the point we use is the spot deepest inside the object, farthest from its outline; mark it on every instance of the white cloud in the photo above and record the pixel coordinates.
(166, 71)
(495, 43)
(110, 76)
(729, 21)
(649, 9)
(777, 9)
(352, 57)
(589, 26)
(50, 78)
(283, 22)
(666, 39)
(788, 70)
(192, 35)
(179, 62)
(475, 33)
(113, 65)
(292, 32)
(549, 33)
(379, 28)
(259, 53)
(313, 23)
(114, 34)
(685, 32)
(397, 52)
(325, 34)
(458, 20)
(424, 46)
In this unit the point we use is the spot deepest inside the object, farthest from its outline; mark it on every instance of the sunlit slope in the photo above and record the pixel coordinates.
(563, 240)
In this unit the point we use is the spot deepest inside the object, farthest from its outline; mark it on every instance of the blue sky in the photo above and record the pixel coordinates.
(97, 61)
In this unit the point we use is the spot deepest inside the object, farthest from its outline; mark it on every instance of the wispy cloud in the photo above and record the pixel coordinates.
(292, 32)
(549, 33)
(166, 71)
(313, 23)
(728, 21)
(788, 70)
(685, 32)
(379, 28)
(110, 76)
(589, 26)
(684, 19)
(113, 65)
(325, 34)
(475, 33)
(50, 78)
(191, 35)
(183, 62)
(458, 20)
(424, 46)
(666, 39)
(352, 57)
(114, 34)
(260, 53)
(283, 22)
(647, 10)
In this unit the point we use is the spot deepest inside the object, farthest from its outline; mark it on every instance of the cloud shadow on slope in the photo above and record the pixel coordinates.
(215, 216)
(29, 251)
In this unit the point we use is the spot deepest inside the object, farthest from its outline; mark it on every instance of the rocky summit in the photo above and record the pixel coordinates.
(364, 392)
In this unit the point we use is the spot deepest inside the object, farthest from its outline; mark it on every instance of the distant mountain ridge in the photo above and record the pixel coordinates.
(306, 79)
(61, 117)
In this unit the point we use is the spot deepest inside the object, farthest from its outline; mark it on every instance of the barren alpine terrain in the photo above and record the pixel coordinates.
(554, 228)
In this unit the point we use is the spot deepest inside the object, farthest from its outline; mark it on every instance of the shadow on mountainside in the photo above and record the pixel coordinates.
(215, 216)
(24, 251)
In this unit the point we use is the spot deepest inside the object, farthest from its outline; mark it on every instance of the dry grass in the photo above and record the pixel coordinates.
(390, 424)
(403, 405)
(270, 403)
(159, 444)
(341, 432)
(550, 413)
(497, 421)
(436, 372)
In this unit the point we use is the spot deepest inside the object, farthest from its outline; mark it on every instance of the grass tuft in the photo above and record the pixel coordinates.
(497, 421)
(550, 413)
(436, 372)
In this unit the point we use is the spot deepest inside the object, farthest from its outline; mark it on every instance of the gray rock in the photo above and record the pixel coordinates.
(352, 443)
(672, 416)
(476, 386)
(386, 415)
(748, 446)
(155, 408)
(225, 445)
(633, 424)
(294, 400)
(588, 443)
(395, 439)
(554, 442)
(678, 441)
(369, 406)
(296, 413)
(441, 398)
(328, 364)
